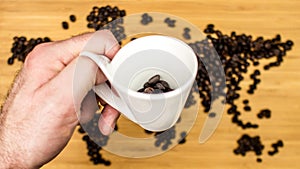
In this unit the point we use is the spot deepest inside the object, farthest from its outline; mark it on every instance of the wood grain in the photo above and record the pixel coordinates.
(279, 90)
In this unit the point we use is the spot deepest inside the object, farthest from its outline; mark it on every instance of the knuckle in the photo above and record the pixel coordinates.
(33, 57)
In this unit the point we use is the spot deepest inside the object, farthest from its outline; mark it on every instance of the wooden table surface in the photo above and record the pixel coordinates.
(279, 90)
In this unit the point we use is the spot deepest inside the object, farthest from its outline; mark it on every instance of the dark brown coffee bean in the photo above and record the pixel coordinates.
(141, 90)
(159, 86)
(157, 91)
(147, 84)
(165, 84)
(65, 25)
(154, 79)
(72, 18)
(148, 90)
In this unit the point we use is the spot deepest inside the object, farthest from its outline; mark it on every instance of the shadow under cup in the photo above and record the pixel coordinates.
(175, 63)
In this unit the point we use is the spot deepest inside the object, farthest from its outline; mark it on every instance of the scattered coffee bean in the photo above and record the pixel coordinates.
(94, 141)
(146, 19)
(212, 115)
(275, 146)
(170, 22)
(245, 101)
(265, 113)
(165, 138)
(182, 139)
(72, 18)
(247, 108)
(186, 36)
(65, 25)
(259, 160)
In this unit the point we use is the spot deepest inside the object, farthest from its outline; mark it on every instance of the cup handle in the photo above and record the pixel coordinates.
(103, 90)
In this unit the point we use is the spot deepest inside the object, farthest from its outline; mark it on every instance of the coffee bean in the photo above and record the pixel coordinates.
(259, 160)
(157, 91)
(141, 90)
(10, 61)
(154, 79)
(65, 25)
(165, 84)
(186, 29)
(245, 101)
(212, 115)
(247, 108)
(72, 18)
(186, 36)
(159, 86)
(149, 90)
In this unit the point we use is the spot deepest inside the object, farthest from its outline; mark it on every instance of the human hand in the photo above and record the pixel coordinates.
(39, 114)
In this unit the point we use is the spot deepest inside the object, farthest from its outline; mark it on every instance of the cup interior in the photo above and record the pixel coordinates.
(145, 57)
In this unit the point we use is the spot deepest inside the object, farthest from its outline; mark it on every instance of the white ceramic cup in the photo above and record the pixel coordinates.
(133, 65)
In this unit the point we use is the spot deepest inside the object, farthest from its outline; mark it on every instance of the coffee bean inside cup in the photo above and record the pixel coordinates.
(155, 85)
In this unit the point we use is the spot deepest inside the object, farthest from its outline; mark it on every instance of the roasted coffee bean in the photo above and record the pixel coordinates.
(170, 22)
(72, 18)
(212, 115)
(94, 141)
(22, 46)
(259, 160)
(155, 86)
(141, 90)
(264, 113)
(247, 143)
(154, 79)
(186, 29)
(165, 84)
(186, 36)
(10, 61)
(247, 108)
(149, 90)
(157, 91)
(245, 101)
(147, 84)
(100, 16)
(65, 25)
(159, 86)
(146, 19)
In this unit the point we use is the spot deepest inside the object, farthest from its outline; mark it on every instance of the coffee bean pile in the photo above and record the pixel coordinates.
(155, 86)
(22, 46)
(237, 53)
(100, 16)
(275, 146)
(164, 138)
(146, 19)
(94, 140)
(186, 33)
(247, 143)
(170, 22)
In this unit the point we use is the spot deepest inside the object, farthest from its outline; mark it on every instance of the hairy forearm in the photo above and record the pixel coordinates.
(8, 155)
